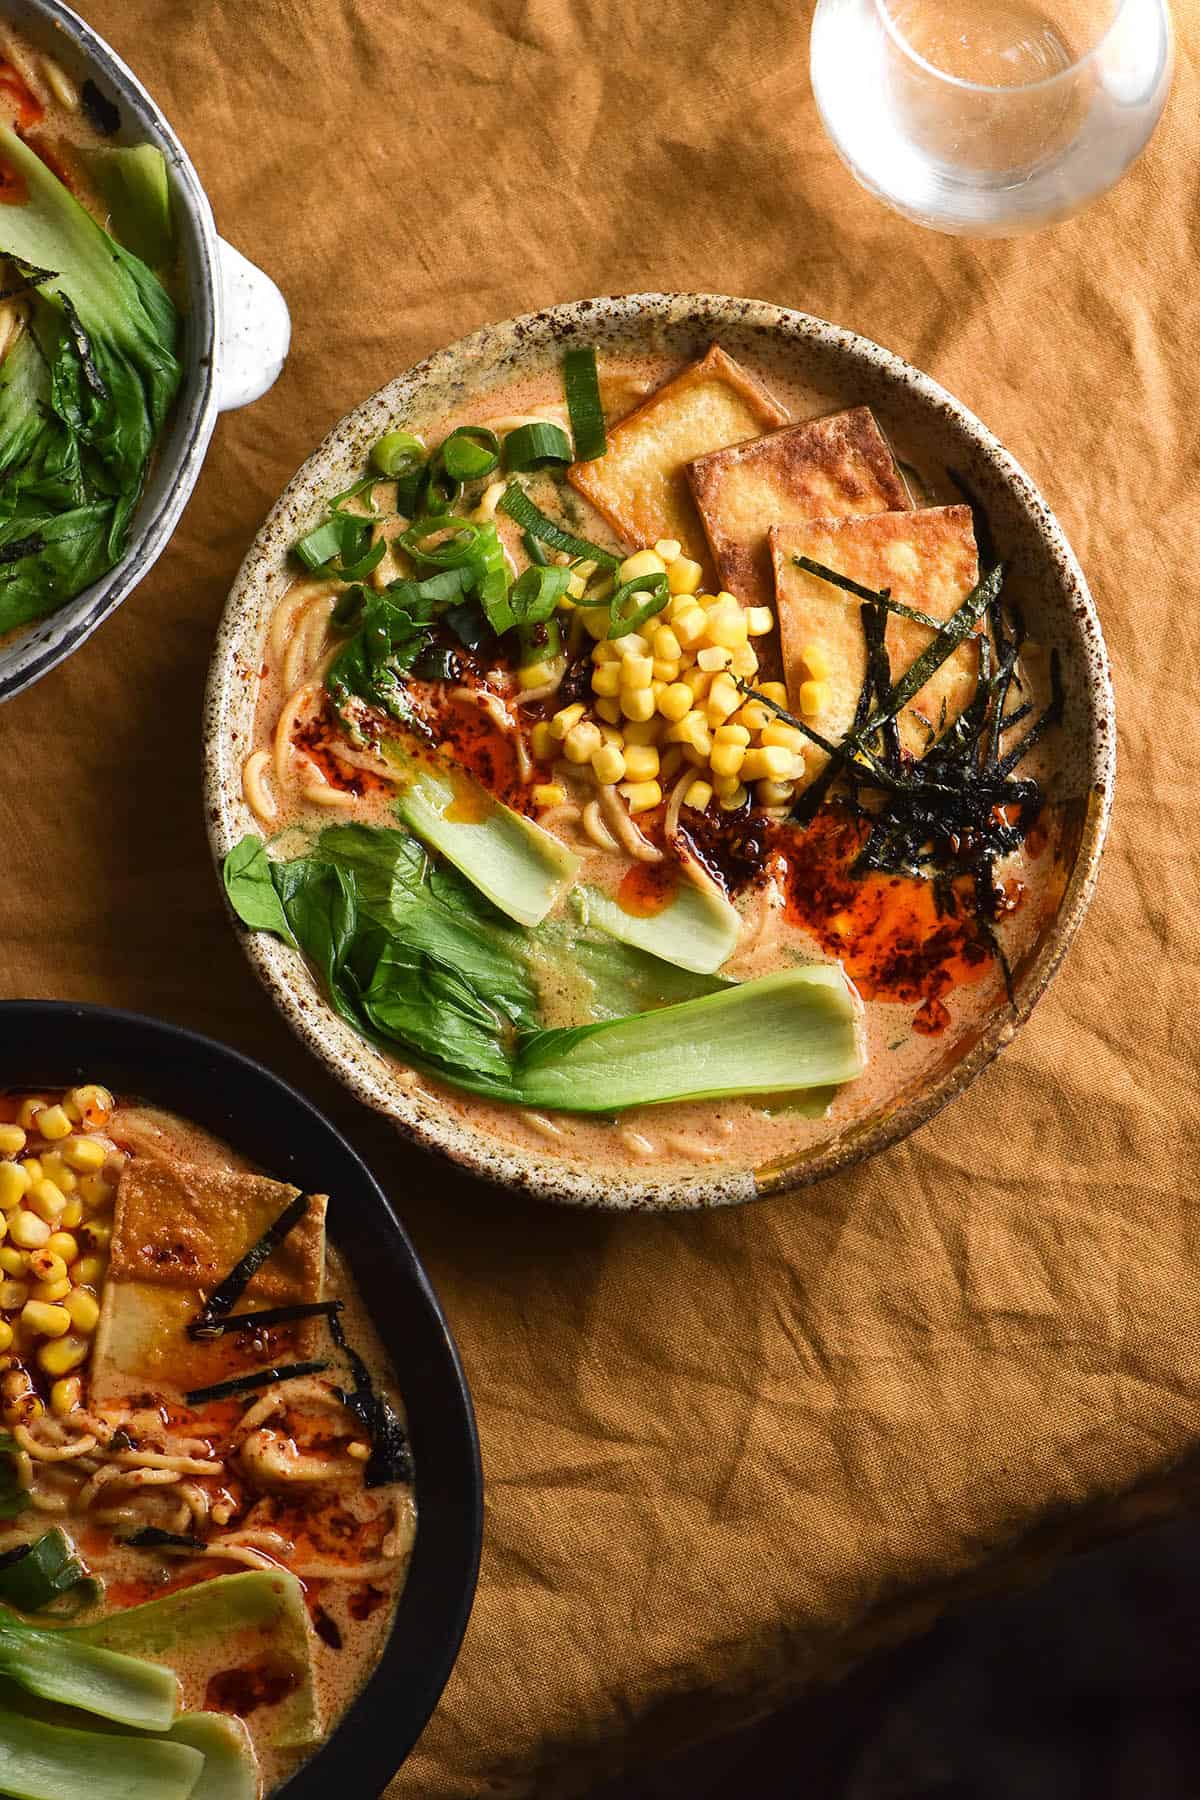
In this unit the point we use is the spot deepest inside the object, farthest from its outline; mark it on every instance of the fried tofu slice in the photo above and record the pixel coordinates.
(640, 486)
(178, 1231)
(839, 467)
(928, 560)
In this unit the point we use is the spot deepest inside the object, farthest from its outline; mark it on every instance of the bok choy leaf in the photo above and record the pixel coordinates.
(61, 1665)
(41, 1761)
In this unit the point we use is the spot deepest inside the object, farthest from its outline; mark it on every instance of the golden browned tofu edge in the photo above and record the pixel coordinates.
(847, 448)
(587, 477)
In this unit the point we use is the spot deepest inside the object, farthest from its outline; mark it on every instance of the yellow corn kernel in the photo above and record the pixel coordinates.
(637, 704)
(15, 1182)
(612, 734)
(665, 645)
(697, 681)
(637, 672)
(753, 767)
(95, 1104)
(27, 1230)
(774, 793)
(698, 795)
(606, 680)
(774, 690)
(816, 661)
(779, 763)
(641, 762)
(84, 1154)
(713, 658)
(608, 710)
(759, 620)
(63, 1355)
(6, 1335)
(641, 796)
(727, 759)
(582, 742)
(731, 734)
(787, 735)
(723, 700)
(89, 1271)
(724, 785)
(66, 1395)
(99, 1235)
(46, 1264)
(683, 575)
(642, 562)
(605, 652)
(84, 1309)
(670, 549)
(53, 1123)
(51, 1292)
(754, 716)
(743, 661)
(46, 1321)
(576, 588)
(12, 1140)
(731, 801)
(543, 743)
(47, 1201)
(548, 793)
(596, 620)
(33, 1169)
(96, 1194)
(675, 701)
(13, 1294)
(693, 731)
(55, 1169)
(644, 731)
(811, 698)
(13, 1262)
(689, 625)
(632, 644)
(608, 765)
(727, 626)
(666, 669)
(563, 720)
(29, 1109)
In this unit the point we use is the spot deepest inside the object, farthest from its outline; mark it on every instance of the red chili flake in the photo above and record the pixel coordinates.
(931, 1018)
(243, 1691)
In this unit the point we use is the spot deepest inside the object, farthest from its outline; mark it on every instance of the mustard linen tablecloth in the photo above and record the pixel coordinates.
(723, 1453)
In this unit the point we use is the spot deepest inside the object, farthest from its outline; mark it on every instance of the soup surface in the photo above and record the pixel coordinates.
(712, 776)
(185, 1422)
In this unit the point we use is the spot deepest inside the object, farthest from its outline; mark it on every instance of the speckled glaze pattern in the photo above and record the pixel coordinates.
(220, 304)
(849, 368)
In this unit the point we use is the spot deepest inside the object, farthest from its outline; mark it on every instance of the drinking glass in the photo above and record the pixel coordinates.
(990, 117)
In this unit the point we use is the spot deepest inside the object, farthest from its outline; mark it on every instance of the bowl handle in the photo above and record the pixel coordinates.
(256, 332)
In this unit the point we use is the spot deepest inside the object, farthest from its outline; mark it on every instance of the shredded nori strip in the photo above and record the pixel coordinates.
(271, 1315)
(246, 1384)
(153, 1537)
(102, 113)
(225, 1297)
(883, 595)
(390, 1459)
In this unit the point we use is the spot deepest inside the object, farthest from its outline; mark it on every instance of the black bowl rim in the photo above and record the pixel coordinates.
(53, 1042)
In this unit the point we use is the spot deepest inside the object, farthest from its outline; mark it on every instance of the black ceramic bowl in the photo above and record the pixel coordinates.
(54, 1044)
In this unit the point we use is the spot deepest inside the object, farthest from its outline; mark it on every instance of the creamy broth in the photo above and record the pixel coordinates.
(237, 1491)
(926, 981)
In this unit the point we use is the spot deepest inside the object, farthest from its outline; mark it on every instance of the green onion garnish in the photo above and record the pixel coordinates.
(534, 599)
(582, 385)
(621, 621)
(517, 504)
(533, 549)
(536, 447)
(469, 453)
(396, 452)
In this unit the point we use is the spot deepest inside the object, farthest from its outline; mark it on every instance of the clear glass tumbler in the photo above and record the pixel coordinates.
(990, 117)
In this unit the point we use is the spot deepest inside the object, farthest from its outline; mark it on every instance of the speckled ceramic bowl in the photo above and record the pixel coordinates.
(920, 414)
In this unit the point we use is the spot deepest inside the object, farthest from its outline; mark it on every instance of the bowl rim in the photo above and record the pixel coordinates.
(208, 1081)
(29, 657)
(352, 1061)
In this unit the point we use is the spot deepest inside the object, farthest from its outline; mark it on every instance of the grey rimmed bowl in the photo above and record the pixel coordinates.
(940, 432)
(236, 336)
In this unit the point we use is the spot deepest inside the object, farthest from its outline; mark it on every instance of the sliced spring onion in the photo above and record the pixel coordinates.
(622, 620)
(516, 865)
(534, 599)
(581, 383)
(40, 1761)
(697, 929)
(246, 1384)
(469, 453)
(533, 550)
(226, 1295)
(56, 1664)
(334, 536)
(32, 1576)
(517, 504)
(536, 447)
(396, 452)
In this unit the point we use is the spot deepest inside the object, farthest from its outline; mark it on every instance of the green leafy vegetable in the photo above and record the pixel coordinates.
(537, 446)
(534, 598)
(84, 393)
(622, 618)
(247, 875)
(581, 381)
(396, 452)
(469, 453)
(697, 929)
(230, 1769)
(132, 179)
(39, 1575)
(517, 504)
(41, 1761)
(62, 1665)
